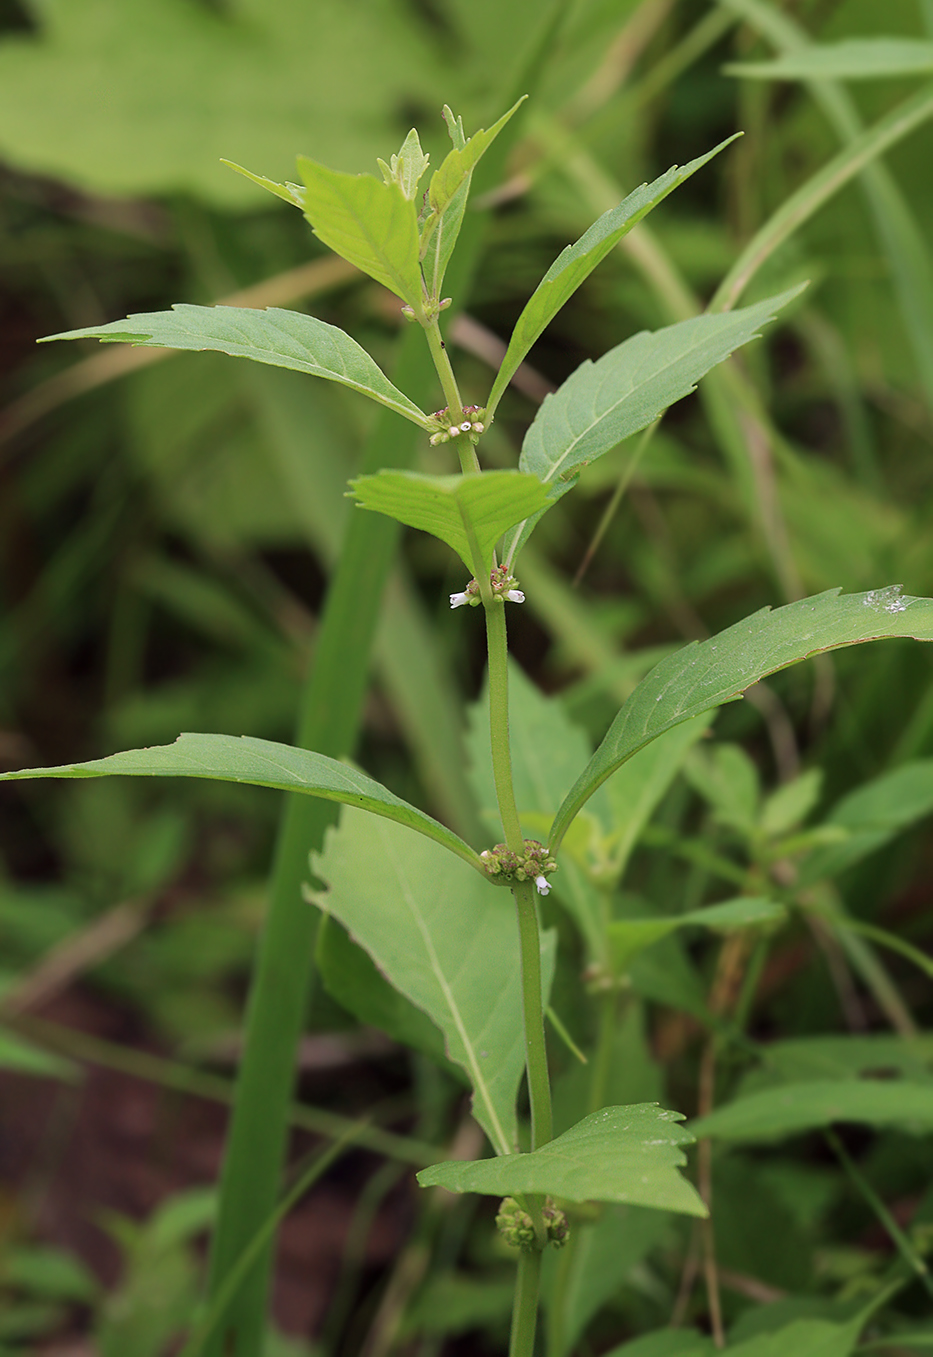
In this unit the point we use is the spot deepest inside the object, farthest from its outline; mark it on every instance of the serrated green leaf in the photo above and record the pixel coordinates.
(444, 939)
(407, 167)
(795, 1108)
(575, 263)
(262, 763)
(629, 937)
(283, 339)
(706, 674)
(620, 1154)
(454, 507)
(624, 391)
(852, 59)
(369, 223)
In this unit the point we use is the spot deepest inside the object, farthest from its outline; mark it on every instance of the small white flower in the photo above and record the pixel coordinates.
(459, 600)
(542, 884)
(516, 596)
(466, 426)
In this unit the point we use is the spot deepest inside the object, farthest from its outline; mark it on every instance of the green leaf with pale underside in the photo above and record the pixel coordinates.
(283, 339)
(369, 223)
(706, 674)
(575, 263)
(624, 391)
(262, 763)
(621, 1154)
(454, 507)
(853, 59)
(447, 941)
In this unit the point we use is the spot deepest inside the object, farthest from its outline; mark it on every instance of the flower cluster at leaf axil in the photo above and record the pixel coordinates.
(471, 423)
(532, 865)
(503, 584)
(517, 1228)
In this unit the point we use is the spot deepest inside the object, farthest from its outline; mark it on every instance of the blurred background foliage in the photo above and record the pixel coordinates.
(168, 525)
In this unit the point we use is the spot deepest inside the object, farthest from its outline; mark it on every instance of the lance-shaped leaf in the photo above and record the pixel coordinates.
(454, 508)
(448, 193)
(370, 223)
(707, 674)
(628, 937)
(624, 391)
(448, 942)
(621, 1154)
(795, 1108)
(575, 264)
(459, 163)
(262, 763)
(852, 59)
(283, 339)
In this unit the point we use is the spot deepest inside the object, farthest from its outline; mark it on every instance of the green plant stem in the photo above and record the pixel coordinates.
(469, 462)
(497, 646)
(525, 1308)
(539, 1086)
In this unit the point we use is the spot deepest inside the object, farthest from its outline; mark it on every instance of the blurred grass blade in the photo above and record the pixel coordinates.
(811, 196)
(706, 674)
(235, 1277)
(905, 245)
(262, 763)
(574, 265)
(852, 59)
(284, 339)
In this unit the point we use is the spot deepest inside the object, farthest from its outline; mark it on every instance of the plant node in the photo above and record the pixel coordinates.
(533, 864)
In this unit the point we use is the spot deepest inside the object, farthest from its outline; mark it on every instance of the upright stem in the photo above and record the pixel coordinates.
(525, 1308)
(497, 646)
(465, 449)
(539, 1086)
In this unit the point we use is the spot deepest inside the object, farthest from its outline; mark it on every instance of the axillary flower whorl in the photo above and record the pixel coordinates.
(504, 588)
(472, 424)
(532, 865)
